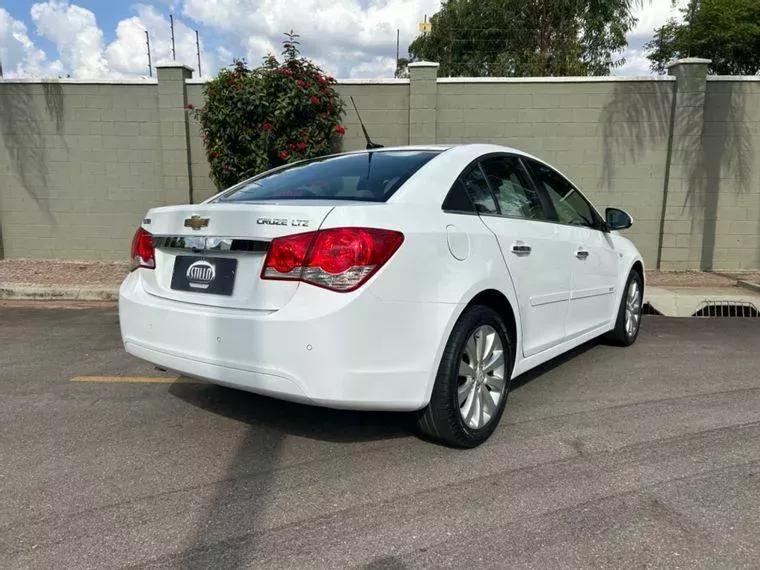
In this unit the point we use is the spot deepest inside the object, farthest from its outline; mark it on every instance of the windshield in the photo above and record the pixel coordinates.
(366, 176)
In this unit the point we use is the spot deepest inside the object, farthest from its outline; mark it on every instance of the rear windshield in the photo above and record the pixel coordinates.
(366, 176)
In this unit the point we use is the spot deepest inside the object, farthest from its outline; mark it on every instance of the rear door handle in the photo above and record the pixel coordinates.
(521, 249)
(581, 253)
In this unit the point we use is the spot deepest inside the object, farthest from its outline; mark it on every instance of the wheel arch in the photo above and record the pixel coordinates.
(488, 294)
(638, 266)
(497, 301)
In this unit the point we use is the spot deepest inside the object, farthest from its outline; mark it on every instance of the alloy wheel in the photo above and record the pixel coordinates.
(481, 377)
(632, 309)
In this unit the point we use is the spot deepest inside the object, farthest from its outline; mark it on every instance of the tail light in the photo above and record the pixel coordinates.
(143, 253)
(340, 259)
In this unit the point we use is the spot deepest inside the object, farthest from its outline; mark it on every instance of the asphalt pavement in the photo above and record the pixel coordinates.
(609, 457)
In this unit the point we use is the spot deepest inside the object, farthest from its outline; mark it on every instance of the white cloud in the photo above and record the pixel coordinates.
(348, 38)
(127, 54)
(636, 63)
(19, 55)
(651, 15)
(76, 35)
(354, 38)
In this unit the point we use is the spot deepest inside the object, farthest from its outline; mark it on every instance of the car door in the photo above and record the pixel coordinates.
(593, 257)
(537, 253)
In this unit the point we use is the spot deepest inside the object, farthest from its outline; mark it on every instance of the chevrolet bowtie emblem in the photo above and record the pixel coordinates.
(196, 222)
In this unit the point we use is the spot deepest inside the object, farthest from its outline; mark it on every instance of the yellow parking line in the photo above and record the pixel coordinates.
(136, 379)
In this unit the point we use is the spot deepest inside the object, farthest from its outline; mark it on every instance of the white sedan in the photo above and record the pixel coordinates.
(420, 278)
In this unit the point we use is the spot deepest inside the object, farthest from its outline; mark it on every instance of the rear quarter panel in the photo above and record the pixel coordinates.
(424, 270)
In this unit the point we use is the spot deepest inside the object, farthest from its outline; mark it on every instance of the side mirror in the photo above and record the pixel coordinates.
(617, 219)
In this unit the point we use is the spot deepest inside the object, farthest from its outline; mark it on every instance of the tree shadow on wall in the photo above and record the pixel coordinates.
(22, 134)
(54, 104)
(702, 152)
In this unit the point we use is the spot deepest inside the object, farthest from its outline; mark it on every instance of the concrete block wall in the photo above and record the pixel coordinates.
(732, 173)
(383, 105)
(80, 162)
(609, 136)
(203, 187)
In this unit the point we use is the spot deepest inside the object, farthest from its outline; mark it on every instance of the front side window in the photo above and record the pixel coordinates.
(514, 193)
(571, 207)
(365, 176)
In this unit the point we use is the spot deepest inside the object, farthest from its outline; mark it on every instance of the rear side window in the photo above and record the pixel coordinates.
(480, 194)
(366, 176)
(458, 200)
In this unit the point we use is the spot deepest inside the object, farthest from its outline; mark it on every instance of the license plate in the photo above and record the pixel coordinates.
(214, 275)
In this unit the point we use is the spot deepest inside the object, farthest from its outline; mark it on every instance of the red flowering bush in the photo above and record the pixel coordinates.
(257, 119)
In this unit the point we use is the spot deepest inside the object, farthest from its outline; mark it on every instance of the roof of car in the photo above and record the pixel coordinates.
(468, 147)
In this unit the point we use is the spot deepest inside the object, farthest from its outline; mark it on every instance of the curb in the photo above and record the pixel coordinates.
(16, 292)
(750, 286)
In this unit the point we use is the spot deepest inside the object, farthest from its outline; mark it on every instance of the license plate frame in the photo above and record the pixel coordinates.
(201, 274)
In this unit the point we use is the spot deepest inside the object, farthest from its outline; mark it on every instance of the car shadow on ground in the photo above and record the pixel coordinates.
(556, 362)
(289, 418)
(228, 527)
(326, 424)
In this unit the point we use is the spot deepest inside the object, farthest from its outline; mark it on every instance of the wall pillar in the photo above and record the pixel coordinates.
(684, 217)
(174, 133)
(423, 89)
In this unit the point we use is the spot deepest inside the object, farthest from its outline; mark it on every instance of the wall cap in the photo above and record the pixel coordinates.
(733, 78)
(424, 64)
(579, 79)
(689, 61)
(105, 81)
(172, 64)
(379, 81)
(351, 81)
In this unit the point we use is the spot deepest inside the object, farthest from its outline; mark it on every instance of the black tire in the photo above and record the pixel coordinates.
(442, 420)
(619, 336)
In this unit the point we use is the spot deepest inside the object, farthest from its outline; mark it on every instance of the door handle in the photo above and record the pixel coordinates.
(581, 253)
(521, 249)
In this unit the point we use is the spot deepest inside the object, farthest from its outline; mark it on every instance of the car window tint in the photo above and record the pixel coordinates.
(514, 194)
(571, 207)
(458, 200)
(479, 192)
(368, 176)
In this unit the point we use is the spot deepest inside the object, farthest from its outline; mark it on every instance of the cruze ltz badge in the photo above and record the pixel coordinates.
(282, 222)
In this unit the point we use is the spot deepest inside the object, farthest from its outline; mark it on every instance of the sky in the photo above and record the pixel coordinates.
(347, 38)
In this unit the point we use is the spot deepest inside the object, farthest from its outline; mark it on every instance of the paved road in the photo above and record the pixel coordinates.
(612, 457)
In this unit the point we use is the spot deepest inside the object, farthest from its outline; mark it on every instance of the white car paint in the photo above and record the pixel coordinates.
(377, 347)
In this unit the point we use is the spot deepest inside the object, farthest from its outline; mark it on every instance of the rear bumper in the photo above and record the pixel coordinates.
(350, 351)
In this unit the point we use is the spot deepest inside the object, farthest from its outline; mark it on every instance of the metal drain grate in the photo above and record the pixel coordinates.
(727, 309)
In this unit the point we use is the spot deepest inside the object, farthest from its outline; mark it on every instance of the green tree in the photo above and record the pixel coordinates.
(724, 31)
(257, 119)
(527, 37)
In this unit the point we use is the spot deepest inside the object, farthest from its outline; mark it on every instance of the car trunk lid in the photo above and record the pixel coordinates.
(212, 254)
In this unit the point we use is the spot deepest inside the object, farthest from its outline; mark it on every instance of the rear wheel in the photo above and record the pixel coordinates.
(472, 384)
(629, 313)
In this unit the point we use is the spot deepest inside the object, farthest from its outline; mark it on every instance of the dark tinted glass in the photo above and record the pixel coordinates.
(571, 207)
(458, 200)
(367, 176)
(479, 192)
(514, 193)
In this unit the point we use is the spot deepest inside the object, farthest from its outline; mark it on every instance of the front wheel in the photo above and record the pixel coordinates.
(629, 313)
(472, 384)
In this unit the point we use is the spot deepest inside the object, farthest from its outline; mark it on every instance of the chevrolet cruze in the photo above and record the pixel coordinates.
(420, 279)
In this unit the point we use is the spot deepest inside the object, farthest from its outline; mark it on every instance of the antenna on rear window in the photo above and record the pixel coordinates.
(370, 144)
